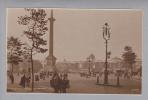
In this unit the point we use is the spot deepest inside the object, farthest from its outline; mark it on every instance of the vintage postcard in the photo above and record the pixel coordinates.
(93, 51)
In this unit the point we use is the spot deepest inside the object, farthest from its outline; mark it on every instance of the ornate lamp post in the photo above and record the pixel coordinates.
(106, 37)
(89, 61)
(89, 65)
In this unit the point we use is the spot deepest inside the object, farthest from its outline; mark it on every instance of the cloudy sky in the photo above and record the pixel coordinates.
(78, 33)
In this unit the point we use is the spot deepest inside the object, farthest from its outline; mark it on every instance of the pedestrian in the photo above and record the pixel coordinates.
(65, 83)
(28, 80)
(48, 74)
(97, 79)
(55, 82)
(60, 82)
(23, 81)
(118, 80)
(12, 78)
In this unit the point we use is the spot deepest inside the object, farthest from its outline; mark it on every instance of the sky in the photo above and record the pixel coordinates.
(78, 33)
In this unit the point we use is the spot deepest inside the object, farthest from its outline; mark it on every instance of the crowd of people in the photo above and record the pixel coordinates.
(45, 74)
(60, 82)
(122, 73)
(25, 81)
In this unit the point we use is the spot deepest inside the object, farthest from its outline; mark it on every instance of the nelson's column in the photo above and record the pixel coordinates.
(51, 59)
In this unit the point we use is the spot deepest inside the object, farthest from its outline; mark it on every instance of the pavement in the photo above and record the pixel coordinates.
(82, 85)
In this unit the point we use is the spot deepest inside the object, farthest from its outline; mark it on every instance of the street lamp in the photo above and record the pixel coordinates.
(89, 66)
(106, 37)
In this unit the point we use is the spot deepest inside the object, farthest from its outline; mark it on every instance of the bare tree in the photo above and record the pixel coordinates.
(36, 27)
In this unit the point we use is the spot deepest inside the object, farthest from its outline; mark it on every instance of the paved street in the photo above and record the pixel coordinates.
(83, 85)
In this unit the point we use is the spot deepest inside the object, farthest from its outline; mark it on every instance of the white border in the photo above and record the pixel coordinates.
(93, 4)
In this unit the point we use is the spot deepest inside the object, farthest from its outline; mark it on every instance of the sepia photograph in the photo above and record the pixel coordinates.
(63, 51)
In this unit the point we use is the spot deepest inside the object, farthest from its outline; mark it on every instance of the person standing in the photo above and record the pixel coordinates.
(55, 82)
(28, 78)
(12, 78)
(23, 81)
(65, 83)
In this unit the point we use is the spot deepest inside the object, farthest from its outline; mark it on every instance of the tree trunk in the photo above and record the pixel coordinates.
(12, 68)
(32, 72)
(128, 71)
(131, 71)
(12, 77)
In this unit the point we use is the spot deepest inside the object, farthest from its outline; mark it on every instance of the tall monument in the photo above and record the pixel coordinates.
(51, 59)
